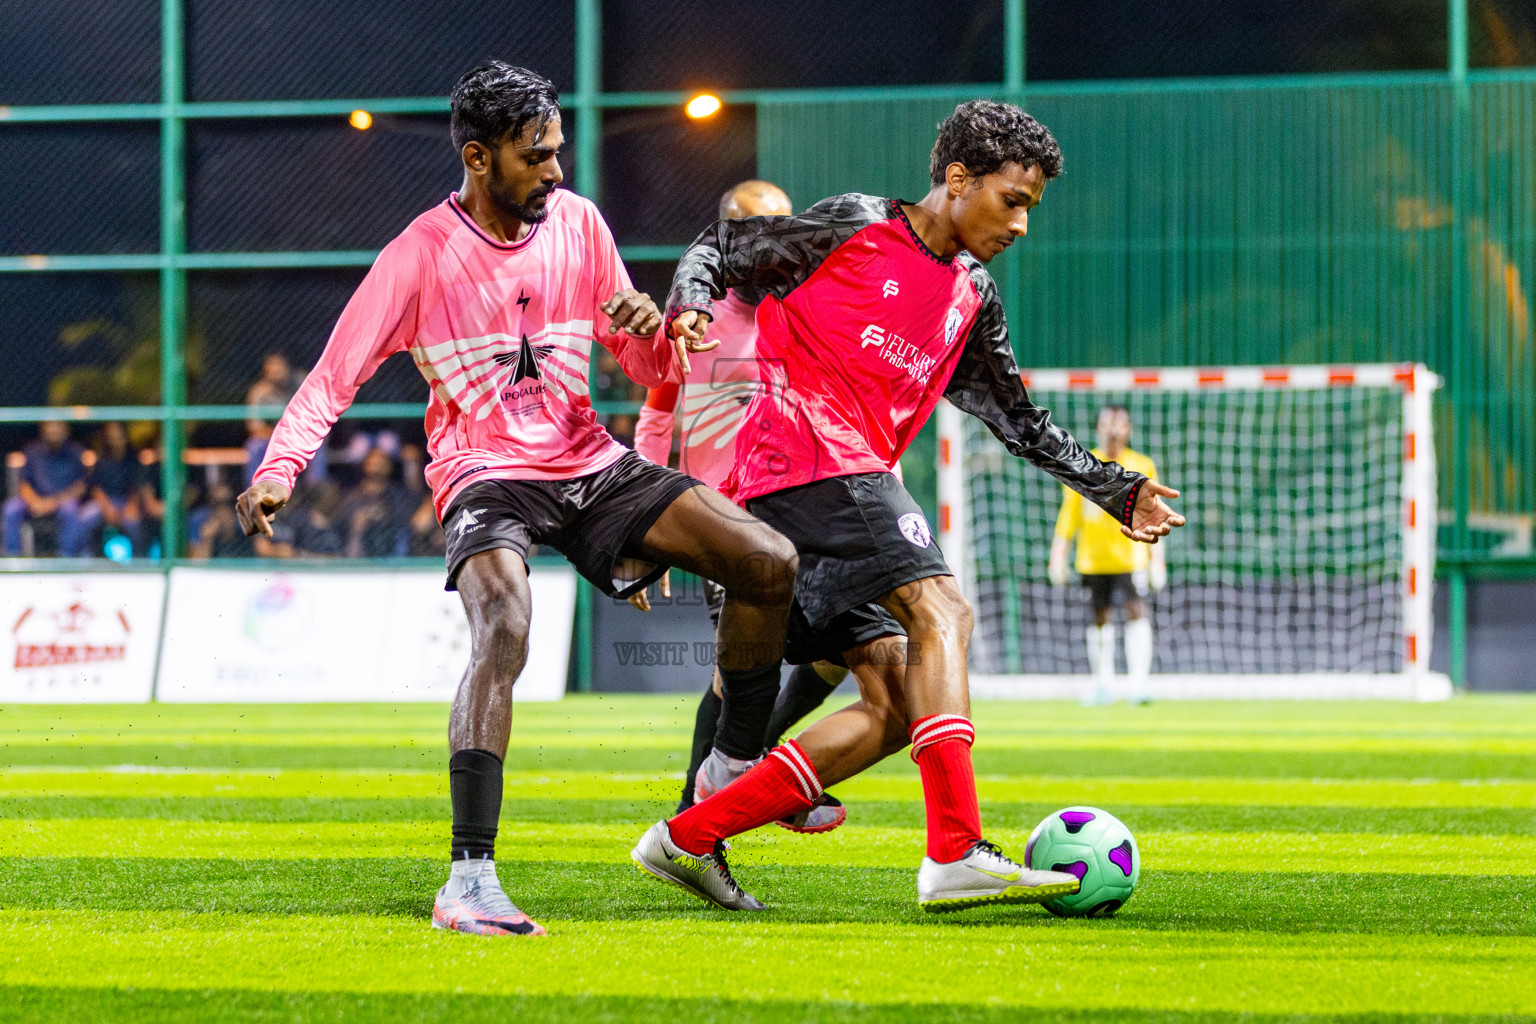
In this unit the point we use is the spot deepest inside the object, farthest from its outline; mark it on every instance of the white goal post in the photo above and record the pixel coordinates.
(1307, 567)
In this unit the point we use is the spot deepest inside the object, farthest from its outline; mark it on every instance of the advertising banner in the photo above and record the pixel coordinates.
(376, 635)
(79, 637)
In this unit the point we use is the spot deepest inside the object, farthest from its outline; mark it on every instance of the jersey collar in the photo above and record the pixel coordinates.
(922, 247)
(458, 208)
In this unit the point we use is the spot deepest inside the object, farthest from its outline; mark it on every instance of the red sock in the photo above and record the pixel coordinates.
(941, 746)
(784, 783)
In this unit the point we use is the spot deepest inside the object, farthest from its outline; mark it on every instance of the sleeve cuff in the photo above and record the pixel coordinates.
(1128, 509)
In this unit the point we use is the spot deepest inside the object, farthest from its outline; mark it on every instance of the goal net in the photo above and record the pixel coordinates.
(1306, 566)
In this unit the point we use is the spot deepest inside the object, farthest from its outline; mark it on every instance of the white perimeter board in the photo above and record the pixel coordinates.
(79, 637)
(237, 636)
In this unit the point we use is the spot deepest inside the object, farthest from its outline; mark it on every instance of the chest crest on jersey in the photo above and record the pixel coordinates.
(524, 390)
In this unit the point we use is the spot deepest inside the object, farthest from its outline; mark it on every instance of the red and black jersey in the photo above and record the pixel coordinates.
(861, 331)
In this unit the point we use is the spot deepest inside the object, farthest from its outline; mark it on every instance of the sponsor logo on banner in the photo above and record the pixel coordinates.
(85, 637)
(76, 634)
(278, 616)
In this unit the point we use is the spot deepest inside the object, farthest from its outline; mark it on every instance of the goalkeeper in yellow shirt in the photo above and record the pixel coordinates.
(1112, 564)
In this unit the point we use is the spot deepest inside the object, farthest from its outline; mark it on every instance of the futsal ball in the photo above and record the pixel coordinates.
(1098, 849)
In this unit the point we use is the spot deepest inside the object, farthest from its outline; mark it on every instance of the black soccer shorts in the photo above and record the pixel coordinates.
(860, 537)
(592, 520)
(1104, 587)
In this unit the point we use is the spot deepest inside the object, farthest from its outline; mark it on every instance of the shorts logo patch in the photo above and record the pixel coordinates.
(915, 528)
(468, 523)
(952, 326)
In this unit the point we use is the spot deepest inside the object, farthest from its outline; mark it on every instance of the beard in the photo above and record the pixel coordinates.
(531, 209)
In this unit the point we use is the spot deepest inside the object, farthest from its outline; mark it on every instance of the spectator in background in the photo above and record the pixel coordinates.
(426, 534)
(413, 462)
(52, 484)
(212, 531)
(151, 505)
(275, 386)
(320, 532)
(114, 484)
(378, 511)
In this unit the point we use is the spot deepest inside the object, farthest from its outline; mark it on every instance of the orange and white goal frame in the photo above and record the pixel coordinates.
(1417, 385)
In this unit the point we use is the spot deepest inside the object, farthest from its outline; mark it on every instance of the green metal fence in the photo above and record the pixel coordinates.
(1369, 217)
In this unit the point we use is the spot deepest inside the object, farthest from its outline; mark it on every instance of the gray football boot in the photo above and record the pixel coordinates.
(707, 877)
(984, 876)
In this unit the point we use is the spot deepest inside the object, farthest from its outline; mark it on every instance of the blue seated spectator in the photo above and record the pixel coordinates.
(114, 485)
(213, 532)
(377, 513)
(52, 484)
(320, 532)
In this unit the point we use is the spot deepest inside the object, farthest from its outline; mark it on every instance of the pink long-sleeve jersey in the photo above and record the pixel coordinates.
(502, 334)
(712, 400)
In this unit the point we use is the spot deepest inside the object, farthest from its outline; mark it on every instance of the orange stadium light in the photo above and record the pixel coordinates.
(361, 120)
(703, 105)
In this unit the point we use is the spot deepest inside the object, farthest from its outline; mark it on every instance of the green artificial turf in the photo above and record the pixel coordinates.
(1301, 862)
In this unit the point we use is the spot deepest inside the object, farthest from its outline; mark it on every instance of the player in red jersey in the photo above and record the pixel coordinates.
(876, 309)
(706, 412)
(498, 294)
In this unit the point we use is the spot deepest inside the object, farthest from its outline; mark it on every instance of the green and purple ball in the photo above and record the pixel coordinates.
(1096, 847)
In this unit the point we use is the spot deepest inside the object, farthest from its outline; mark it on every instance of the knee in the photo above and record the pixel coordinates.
(767, 576)
(502, 635)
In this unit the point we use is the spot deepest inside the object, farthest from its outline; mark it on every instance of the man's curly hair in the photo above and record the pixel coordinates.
(496, 101)
(983, 135)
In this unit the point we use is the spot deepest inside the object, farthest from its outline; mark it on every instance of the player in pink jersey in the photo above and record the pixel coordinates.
(876, 309)
(498, 294)
(706, 411)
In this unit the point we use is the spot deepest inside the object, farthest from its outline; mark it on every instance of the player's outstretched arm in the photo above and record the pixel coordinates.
(986, 383)
(766, 254)
(258, 504)
(1152, 517)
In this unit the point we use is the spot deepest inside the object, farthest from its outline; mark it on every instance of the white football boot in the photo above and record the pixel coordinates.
(707, 877)
(473, 901)
(718, 771)
(984, 876)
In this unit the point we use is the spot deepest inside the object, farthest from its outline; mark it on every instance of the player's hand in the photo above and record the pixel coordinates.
(1057, 571)
(633, 313)
(1152, 517)
(642, 598)
(688, 336)
(256, 507)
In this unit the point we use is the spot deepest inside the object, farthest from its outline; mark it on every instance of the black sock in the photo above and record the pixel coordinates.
(474, 784)
(803, 692)
(704, 723)
(746, 705)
